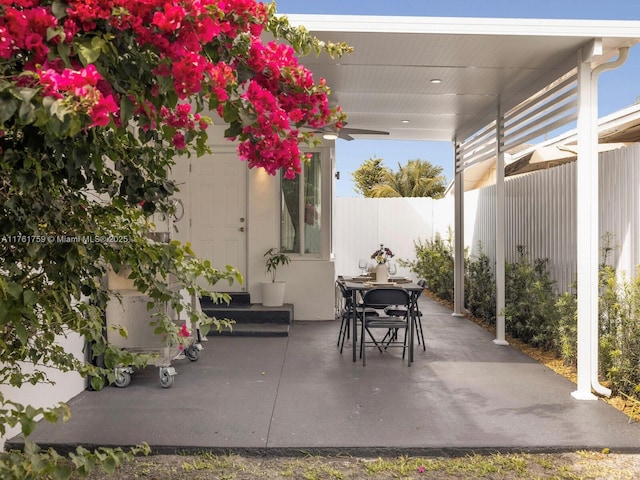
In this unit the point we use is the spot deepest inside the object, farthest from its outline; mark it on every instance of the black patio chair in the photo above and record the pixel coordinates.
(378, 299)
(400, 311)
(346, 312)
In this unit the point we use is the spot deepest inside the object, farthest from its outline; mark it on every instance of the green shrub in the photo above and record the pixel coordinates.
(480, 288)
(619, 322)
(608, 315)
(434, 263)
(619, 327)
(35, 463)
(530, 300)
(567, 338)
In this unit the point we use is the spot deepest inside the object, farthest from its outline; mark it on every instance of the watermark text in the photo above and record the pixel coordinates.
(48, 239)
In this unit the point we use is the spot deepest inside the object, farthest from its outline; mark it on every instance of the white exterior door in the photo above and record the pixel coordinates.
(218, 197)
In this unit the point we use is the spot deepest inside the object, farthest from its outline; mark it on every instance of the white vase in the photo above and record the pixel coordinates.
(382, 273)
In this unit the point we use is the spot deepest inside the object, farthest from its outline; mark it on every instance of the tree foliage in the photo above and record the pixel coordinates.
(98, 100)
(368, 175)
(418, 178)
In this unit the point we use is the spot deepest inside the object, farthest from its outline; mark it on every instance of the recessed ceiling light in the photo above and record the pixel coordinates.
(329, 136)
(436, 80)
(404, 121)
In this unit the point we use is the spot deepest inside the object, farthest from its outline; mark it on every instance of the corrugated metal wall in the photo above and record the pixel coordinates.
(539, 215)
(620, 205)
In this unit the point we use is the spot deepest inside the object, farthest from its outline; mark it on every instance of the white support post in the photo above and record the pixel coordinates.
(588, 214)
(458, 268)
(586, 226)
(500, 229)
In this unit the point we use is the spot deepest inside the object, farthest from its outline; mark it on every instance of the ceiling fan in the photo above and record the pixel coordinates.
(330, 132)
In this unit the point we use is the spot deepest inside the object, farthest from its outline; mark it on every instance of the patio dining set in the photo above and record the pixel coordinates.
(380, 311)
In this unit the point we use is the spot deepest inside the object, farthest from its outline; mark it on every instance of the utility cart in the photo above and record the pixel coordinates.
(130, 311)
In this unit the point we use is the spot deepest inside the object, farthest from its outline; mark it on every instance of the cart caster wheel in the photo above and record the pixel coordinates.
(166, 379)
(192, 353)
(122, 379)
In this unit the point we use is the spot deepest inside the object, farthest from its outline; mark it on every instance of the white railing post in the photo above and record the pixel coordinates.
(586, 222)
(458, 273)
(500, 257)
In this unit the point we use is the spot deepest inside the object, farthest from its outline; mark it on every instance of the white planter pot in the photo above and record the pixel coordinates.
(382, 273)
(273, 294)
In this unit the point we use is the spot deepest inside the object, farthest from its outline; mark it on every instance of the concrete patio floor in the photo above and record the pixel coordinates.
(299, 394)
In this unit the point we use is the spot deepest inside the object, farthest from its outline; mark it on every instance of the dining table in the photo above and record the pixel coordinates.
(359, 285)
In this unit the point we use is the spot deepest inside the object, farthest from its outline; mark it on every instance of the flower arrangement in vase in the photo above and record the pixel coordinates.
(382, 256)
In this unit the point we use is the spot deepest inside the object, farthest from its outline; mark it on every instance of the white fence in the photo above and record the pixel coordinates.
(362, 224)
(539, 215)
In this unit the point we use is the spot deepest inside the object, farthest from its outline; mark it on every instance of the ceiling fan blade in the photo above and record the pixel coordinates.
(344, 136)
(346, 132)
(362, 131)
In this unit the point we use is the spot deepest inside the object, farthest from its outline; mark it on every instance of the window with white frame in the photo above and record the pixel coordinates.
(301, 210)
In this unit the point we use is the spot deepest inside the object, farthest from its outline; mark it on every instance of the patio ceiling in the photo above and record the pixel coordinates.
(387, 80)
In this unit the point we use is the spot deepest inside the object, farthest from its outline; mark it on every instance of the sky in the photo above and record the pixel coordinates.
(617, 89)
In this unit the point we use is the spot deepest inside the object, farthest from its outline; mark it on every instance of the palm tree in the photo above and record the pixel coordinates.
(418, 178)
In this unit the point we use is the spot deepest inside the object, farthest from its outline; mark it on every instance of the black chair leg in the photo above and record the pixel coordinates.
(404, 344)
(390, 336)
(345, 329)
(341, 332)
(421, 333)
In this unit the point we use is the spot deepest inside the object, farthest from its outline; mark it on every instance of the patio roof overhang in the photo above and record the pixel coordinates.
(617, 129)
(500, 83)
(480, 62)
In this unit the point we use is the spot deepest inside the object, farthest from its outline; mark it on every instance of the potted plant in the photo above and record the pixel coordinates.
(273, 291)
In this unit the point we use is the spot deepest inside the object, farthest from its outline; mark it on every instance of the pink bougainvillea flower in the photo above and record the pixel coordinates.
(179, 141)
(170, 19)
(184, 331)
(34, 42)
(101, 112)
(190, 47)
(6, 45)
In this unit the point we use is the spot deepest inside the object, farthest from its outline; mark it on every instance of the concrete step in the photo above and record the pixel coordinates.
(237, 299)
(254, 330)
(253, 319)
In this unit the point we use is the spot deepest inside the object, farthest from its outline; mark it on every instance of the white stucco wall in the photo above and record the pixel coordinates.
(262, 229)
(65, 387)
(311, 289)
(310, 281)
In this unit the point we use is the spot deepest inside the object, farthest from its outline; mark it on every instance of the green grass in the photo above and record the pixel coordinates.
(581, 465)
